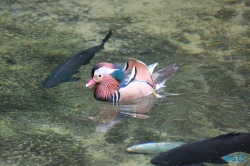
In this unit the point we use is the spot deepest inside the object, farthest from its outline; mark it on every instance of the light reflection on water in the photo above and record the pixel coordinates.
(208, 40)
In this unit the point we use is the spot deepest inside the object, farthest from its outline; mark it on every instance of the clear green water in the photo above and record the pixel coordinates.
(209, 40)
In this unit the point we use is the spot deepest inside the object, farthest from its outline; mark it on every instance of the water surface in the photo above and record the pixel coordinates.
(209, 40)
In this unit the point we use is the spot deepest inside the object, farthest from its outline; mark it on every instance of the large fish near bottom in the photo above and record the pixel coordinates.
(64, 71)
(205, 151)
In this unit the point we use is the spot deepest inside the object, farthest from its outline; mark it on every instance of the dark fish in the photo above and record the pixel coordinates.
(70, 66)
(205, 151)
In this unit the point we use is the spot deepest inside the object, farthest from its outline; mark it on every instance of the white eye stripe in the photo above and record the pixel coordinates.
(104, 71)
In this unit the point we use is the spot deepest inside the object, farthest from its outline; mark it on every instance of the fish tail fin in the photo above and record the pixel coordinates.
(106, 38)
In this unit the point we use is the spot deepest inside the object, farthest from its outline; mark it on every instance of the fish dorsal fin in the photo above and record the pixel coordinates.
(142, 72)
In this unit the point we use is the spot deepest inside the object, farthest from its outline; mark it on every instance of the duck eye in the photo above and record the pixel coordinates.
(99, 76)
(102, 122)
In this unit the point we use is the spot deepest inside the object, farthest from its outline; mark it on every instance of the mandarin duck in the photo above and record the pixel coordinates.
(114, 83)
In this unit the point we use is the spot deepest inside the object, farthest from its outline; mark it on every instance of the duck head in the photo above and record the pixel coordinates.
(106, 78)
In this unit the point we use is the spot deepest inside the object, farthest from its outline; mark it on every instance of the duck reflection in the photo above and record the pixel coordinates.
(109, 115)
